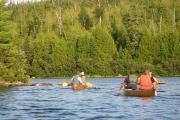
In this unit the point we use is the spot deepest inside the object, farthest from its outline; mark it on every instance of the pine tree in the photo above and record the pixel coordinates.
(104, 50)
(12, 60)
(84, 52)
(49, 55)
(144, 32)
(85, 19)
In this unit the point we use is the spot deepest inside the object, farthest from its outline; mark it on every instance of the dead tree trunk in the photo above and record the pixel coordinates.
(58, 14)
(160, 24)
(174, 19)
(100, 17)
(152, 24)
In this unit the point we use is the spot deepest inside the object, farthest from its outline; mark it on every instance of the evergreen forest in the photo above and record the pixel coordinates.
(56, 38)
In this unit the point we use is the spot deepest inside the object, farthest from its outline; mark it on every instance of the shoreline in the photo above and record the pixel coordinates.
(19, 83)
(33, 78)
(93, 77)
(12, 84)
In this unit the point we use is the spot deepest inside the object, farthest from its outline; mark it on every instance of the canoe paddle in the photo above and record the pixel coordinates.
(119, 90)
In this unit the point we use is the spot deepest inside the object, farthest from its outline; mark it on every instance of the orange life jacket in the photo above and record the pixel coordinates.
(145, 82)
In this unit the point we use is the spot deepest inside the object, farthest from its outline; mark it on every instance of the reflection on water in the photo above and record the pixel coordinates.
(146, 99)
(53, 102)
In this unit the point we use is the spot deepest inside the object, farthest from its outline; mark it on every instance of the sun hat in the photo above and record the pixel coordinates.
(82, 73)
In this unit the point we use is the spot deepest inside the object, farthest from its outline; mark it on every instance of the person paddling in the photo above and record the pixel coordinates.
(129, 82)
(145, 81)
(76, 80)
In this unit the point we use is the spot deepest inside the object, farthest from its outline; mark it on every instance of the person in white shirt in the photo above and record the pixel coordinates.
(77, 79)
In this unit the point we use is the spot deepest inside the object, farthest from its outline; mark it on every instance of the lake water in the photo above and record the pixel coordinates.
(56, 103)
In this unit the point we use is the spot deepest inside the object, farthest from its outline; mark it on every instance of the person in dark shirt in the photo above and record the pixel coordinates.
(129, 82)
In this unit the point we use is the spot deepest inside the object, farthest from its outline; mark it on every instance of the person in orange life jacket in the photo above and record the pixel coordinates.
(145, 81)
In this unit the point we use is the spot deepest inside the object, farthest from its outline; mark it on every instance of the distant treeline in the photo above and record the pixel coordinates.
(101, 37)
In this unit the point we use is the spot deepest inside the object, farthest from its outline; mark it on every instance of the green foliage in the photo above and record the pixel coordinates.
(49, 55)
(85, 52)
(104, 49)
(84, 19)
(12, 60)
(119, 33)
(132, 35)
(99, 12)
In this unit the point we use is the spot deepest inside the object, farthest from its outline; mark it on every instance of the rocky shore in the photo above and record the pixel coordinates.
(16, 84)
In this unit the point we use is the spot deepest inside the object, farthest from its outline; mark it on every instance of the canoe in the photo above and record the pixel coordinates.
(79, 87)
(65, 84)
(140, 93)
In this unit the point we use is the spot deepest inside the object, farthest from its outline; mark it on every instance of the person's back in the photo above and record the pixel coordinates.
(145, 81)
(76, 79)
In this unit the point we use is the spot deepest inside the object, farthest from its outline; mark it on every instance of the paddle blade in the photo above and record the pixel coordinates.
(116, 94)
(65, 84)
(89, 85)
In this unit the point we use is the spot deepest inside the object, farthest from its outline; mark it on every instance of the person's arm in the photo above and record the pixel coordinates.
(124, 83)
(138, 80)
(155, 80)
(80, 80)
(83, 78)
(72, 79)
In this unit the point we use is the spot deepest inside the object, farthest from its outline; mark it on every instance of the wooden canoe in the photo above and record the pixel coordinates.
(140, 93)
(79, 87)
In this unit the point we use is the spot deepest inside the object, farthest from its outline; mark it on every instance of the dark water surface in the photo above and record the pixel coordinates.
(53, 102)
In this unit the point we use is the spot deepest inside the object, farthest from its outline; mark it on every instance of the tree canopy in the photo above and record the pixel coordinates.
(101, 37)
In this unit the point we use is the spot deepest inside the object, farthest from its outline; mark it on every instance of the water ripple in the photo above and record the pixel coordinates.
(54, 102)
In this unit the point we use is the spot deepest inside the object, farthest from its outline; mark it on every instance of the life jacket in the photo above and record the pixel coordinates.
(145, 82)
